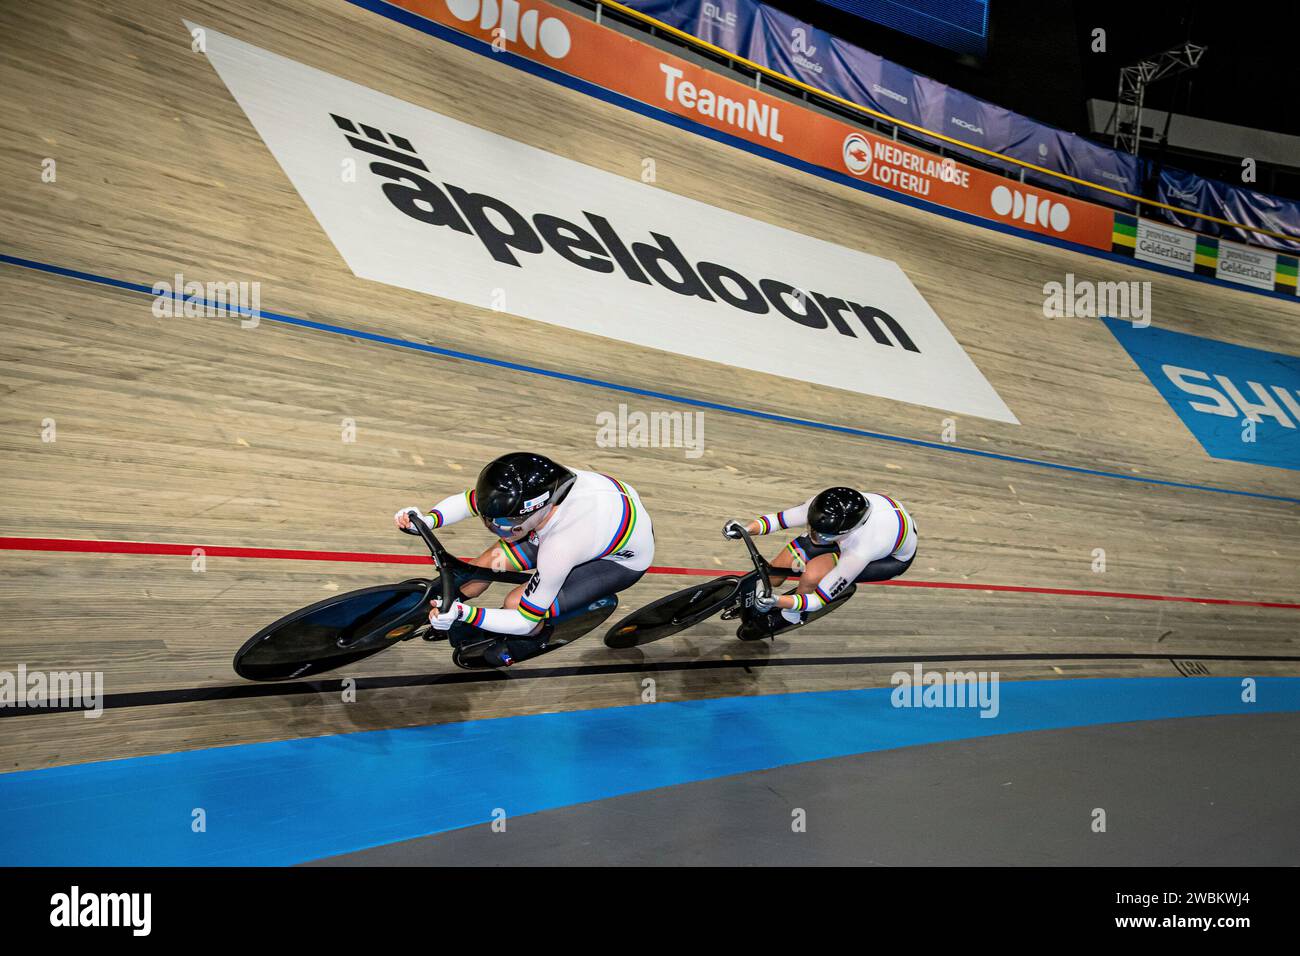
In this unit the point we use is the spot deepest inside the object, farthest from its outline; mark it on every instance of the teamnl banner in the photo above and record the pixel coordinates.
(1226, 201)
(579, 47)
(448, 209)
(784, 43)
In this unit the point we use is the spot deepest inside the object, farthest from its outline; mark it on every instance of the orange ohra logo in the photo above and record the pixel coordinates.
(549, 34)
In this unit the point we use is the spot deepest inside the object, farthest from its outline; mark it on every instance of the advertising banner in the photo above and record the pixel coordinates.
(1164, 246)
(1248, 266)
(1205, 255)
(1241, 404)
(786, 44)
(582, 48)
(1226, 201)
(447, 209)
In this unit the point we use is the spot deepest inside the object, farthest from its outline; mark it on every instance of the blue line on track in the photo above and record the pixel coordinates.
(296, 800)
(633, 390)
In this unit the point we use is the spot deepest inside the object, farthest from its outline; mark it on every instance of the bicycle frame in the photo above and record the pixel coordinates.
(453, 574)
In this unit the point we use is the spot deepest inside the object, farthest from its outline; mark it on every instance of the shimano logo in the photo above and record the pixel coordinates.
(1282, 405)
(958, 121)
(888, 93)
(1031, 209)
(508, 21)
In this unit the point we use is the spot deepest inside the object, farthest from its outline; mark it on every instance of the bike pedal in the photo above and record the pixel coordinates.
(428, 633)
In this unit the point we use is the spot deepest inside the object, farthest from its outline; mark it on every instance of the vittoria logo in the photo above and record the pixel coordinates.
(516, 23)
(1030, 208)
(803, 51)
(799, 42)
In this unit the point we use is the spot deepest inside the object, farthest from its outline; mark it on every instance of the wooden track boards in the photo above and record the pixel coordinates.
(197, 431)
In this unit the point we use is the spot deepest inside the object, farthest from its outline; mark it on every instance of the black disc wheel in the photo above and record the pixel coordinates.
(676, 612)
(331, 633)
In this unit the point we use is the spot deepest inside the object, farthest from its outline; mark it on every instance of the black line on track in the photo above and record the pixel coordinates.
(188, 695)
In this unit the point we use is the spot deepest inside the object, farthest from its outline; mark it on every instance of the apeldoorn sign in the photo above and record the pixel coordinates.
(448, 209)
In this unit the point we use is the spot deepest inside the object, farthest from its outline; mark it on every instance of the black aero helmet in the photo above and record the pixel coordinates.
(835, 512)
(515, 493)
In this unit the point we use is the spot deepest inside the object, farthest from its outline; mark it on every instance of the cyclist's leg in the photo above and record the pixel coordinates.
(817, 561)
(884, 569)
(592, 581)
(585, 584)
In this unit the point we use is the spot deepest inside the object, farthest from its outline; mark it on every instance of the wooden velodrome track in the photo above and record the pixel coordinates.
(198, 432)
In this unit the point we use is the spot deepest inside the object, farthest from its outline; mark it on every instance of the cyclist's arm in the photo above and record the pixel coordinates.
(795, 517)
(554, 562)
(876, 544)
(453, 509)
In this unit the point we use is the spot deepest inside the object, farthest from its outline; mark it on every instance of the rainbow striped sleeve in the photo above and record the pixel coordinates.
(516, 555)
(904, 525)
(454, 508)
(626, 521)
(533, 613)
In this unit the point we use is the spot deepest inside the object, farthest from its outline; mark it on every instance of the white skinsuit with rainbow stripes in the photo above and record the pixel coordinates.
(600, 518)
(888, 532)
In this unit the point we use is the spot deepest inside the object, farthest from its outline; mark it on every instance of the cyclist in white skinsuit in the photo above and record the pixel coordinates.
(584, 536)
(852, 537)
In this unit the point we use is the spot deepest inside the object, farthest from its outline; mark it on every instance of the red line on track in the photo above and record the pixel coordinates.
(87, 546)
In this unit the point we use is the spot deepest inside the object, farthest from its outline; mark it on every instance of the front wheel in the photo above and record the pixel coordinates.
(331, 633)
(676, 612)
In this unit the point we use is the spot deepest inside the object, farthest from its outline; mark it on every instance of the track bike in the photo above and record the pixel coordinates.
(350, 627)
(732, 596)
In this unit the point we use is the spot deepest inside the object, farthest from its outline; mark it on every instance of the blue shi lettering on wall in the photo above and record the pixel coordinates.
(1242, 404)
